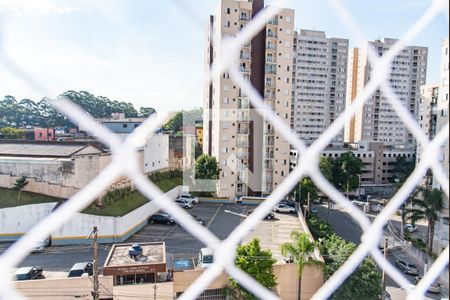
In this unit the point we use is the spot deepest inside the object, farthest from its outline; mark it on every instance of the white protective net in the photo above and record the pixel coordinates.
(125, 163)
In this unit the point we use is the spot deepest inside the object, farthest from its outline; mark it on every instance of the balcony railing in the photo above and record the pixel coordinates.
(268, 155)
(243, 118)
(243, 143)
(245, 56)
(243, 131)
(244, 70)
(271, 47)
(242, 155)
(269, 142)
(269, 131)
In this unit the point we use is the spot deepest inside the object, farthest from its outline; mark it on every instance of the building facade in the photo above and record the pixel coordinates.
(253, 157)
(319, 83)
(377, 120)
(433, 116)
(156, 153)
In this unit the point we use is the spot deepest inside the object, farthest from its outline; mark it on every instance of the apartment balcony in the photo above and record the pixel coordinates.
(271, 60)
(242, 155)
(242, 143)
(269, 95)
(243, 104)
(243, 118)
(268, 155)
(269, 142)
(272, 36)
(269, 131)
(244, 131)
(270, 85)
(271, 47)
(268, 165)
(271, 71)
(242, 167)
(244, 18)
(273, 22)
(245, 56)
(244, 70)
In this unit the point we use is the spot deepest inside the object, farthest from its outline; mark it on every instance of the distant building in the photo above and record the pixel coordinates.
(433, 116)
(199, 132)
(44, 134)
(253, 156)
(118, 124)
(377, 176)
(319, 83)
(182, 151)
(377, 120)
(156, 153)
(56, 169)
(141, 269)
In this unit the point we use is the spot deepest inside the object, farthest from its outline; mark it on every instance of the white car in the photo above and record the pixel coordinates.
(188, 197)
(283, 208)
(40, 246)
(184, 203)
(410, 228)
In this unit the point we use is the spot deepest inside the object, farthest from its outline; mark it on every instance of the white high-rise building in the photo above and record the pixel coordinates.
(433, 116)
(253, 157)
(319, 85)
(377, 120)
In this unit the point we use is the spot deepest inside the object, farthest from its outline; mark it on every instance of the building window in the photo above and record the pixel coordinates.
(227, 11)
(124, 125)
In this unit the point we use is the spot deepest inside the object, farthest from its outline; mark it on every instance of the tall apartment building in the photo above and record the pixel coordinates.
(377, 120)
(319, 85)
(433, 116)
(253, 157)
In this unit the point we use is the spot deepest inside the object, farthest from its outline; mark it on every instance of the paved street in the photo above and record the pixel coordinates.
(349, 230)
(221, 219)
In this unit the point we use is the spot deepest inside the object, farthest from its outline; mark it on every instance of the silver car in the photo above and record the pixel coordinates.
(407, 268)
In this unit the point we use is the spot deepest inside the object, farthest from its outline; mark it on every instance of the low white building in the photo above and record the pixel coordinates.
(156, 153)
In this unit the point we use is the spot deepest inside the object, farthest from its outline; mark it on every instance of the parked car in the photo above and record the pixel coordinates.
(29, 273)
(184, 203)
(81, 268)
(411, 228)
(269, 216)
(283, 208)
(40, 246)
(287, 202)
(189, 198)
(406, 268)
(206, 257)
(162, 218)
(434, 288)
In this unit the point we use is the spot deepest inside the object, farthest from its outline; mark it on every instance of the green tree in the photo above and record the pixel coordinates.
(13, 133)
(206, 167)
(345, 171)
(301, 250)
(402, 169)
(175, 124)
(257, 263)
(364, 283)
(427, 205)
(307, 186)
(19, 185)
(145, 112)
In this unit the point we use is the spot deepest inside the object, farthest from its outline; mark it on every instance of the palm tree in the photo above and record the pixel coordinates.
(301, 251)
(427, 207)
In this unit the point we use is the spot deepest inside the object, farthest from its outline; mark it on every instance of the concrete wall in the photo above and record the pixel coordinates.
(53, 177)
(16, 221)
(182, 280)
(64, 288)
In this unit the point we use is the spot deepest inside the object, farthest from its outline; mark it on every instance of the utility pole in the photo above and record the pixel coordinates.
(384, 272)
(348, 187)
(94, 235)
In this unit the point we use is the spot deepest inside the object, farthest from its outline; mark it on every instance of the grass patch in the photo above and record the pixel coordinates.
(134, 200)
(8, 198)
(167, 184)
(118, 208)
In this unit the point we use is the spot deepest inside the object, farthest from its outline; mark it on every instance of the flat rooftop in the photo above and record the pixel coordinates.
(273, 233)
(152, 253)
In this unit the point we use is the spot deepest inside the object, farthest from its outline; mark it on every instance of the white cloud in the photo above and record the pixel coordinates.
(40, 7)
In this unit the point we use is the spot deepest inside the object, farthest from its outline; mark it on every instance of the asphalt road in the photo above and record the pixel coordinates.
(221, 219)
(348, 229)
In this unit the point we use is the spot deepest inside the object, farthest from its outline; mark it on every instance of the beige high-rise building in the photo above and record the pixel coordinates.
(377, 120)
(253, 157)
(320, 80)
(433, 116)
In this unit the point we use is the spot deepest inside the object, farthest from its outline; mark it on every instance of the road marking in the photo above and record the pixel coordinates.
(214, 216)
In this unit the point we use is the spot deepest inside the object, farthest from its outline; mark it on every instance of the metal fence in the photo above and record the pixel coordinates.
(125, 163)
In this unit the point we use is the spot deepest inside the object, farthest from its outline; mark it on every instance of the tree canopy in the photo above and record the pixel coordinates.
(257, 263)
(206, 167)
(26, 112)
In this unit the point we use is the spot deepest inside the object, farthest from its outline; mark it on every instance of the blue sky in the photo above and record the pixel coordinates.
(150, 52)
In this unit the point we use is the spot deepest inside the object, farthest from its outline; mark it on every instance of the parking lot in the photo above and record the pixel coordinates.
(221, 219)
